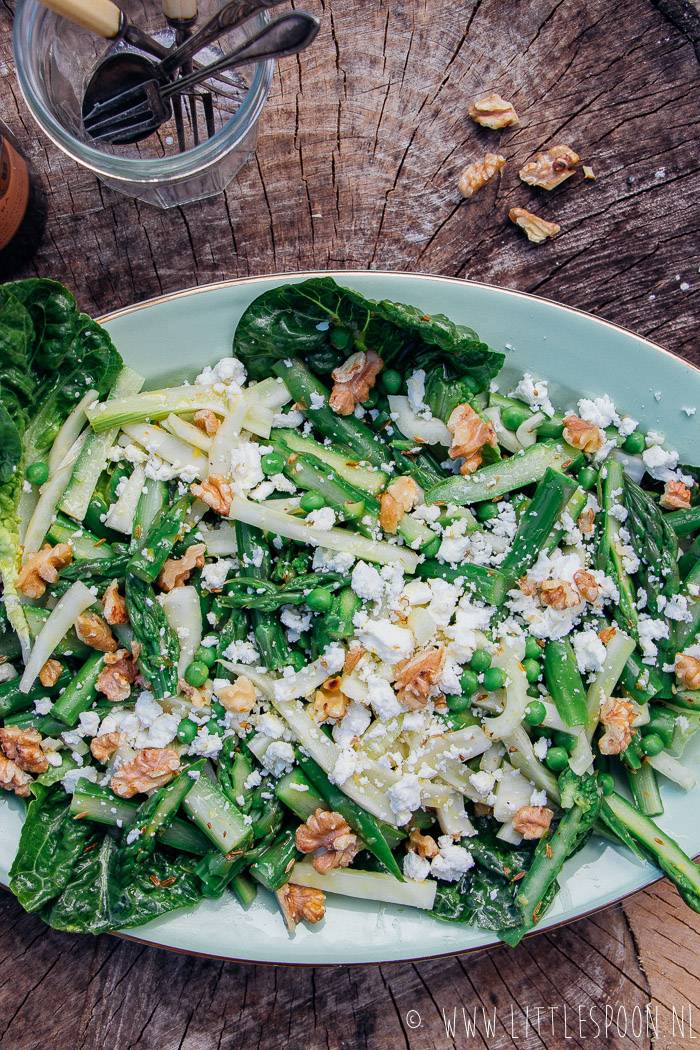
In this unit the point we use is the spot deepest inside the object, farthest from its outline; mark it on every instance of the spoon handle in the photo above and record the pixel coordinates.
(286, 35)
(99, 16)
(230, 15)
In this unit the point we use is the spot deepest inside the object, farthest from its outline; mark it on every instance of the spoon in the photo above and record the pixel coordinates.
(141, 110)
(125, 69)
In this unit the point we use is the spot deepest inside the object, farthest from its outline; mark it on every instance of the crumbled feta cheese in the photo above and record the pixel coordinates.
(483, 782)
(452, 861)
(388, 641)
(353, 724)
(70, 780)
(279, 757)
(214, 574)
(600, 411)
(651, 631)
(324, 518)
(243, 652)
(589, 650)
(415, 867)
(345, 766)
(366, 582)
(404, 797)
(383, 699)
(229, 371)
(332, 561)
(295, 620)
(415, 388)
(660, 463)
(540, 748)
(538, 798)
(535, 393)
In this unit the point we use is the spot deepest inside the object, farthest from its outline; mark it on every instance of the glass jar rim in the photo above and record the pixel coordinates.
(130, 169)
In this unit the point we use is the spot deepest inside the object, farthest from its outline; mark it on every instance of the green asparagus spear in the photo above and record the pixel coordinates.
(148, 561)
(269, 636)
(498, 478)
(550, 500)
(486, 585)
(160, 648)
(80, 695)
(564, 682)
(273, 868)
(684, 522)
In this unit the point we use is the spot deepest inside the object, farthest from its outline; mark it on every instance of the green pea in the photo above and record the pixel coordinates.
(218, 710)
(565, 740)
(514, 416)
(390, 381)
(533, 649)
(587, 478)
(187, 731)
(272, 463)
(480, 661)
(457, 703)
(206, 654)
(535, 713)
(543, 731)
(533, 670)
(297, 660)
(556, 759)
(341, 337)
(652, 744)
(372, 399)
(634, 443)
(196, 673)
(469, 682)
(312, 501)
(431, 549)
(494, 679)
(533, 690)
(215, 727)
(319, 600)
(38, 473)
(486, 511)
(607, 783)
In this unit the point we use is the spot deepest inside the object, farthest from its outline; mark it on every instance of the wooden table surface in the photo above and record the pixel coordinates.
(361, 145)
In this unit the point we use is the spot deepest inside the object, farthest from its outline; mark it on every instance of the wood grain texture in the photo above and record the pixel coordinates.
(361, 145)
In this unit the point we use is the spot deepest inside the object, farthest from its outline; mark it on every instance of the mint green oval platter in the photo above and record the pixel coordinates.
(581, 355)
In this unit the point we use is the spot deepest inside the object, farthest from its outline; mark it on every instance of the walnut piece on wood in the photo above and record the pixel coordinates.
(300, 902)
(50, 673)
(93, 631)
(687, 669)
(104, 746)
(114, 605)
(470, 435)
(416, 675)
(583, 435)
(353, 380)
(150, 769)
(177, 571)
(617, 716)
(478, 173)
(331, 833)
(536, 229)
(559, 594)
(532, 822)
(329, 701)
(207, 421)
(238, 697)
(550, 169)
(23, 746)
(397, 500)
(42, 568)
(117, 676)
(492, 111)
(12, 778)
(215, 492)
(676, 496)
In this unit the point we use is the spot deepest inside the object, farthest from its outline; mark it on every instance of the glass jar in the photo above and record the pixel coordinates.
(55, 60)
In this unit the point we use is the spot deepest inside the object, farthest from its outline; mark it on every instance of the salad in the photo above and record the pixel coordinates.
(346, 613)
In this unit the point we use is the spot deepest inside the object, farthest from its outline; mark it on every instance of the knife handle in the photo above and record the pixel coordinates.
(99, 16)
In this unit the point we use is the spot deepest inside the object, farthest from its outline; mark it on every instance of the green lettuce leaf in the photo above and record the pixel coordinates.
(322, 322)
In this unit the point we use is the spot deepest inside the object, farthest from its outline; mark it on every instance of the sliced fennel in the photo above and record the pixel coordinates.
(184, 614)
(120, 515)
(155, 405)
(334, 539)
(70, 431)
(74, 602)
(182, 456)
(366, 885)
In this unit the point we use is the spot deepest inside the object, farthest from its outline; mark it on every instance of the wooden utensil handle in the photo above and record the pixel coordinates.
(99, 16)
(184, 10)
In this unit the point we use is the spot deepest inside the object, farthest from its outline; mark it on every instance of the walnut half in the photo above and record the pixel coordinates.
(492, 111)
(300, 902)
(150, 769)
(215, 492)
(532, 822)
(42, 568)
(176, 571)
(399, 498)
(478, 174)
(331, 833)
(617, 716)
(550, 169)
(353, 380)
(23, 746)
(583, 435)
(470, 435)
(536, 229)
(687, 669)
(415, 676)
